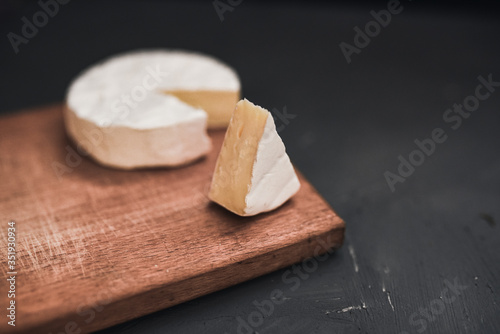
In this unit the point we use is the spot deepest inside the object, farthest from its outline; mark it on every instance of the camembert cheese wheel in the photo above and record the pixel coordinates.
(253, 173)
(150, 108)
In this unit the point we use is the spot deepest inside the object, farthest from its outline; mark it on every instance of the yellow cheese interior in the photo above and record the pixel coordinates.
(233, 170)
(219, 105)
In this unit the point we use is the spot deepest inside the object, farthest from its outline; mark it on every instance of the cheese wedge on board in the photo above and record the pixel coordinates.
(253, 173)
(150, 108)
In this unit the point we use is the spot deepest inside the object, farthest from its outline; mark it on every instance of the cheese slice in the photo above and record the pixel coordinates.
(253, 173)
(150, 108)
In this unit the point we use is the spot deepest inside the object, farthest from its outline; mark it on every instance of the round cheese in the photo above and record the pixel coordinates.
(150, 108)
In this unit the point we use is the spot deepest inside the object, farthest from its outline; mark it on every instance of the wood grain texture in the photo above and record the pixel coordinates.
(98, 246)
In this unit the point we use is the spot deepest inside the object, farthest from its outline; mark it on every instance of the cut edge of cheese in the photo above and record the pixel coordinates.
(219, 105)
(253, 173)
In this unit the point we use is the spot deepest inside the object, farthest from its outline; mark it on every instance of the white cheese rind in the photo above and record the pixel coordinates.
(174, 144)
(122, 102)
(115, 85)
(274, 179)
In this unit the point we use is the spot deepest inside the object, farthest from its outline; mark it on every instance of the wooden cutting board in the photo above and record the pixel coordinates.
(97, 246)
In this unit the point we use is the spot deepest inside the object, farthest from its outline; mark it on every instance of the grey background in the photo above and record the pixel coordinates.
(352, 122)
